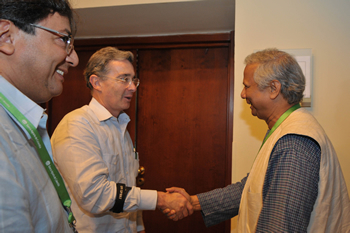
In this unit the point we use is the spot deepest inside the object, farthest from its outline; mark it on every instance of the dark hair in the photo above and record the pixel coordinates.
(24, 12)
(98, 62)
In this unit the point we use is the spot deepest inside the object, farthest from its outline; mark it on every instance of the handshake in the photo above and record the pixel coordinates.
(176, 203)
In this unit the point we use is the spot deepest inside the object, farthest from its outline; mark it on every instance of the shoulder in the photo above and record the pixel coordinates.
(298, 146)
(83, 114)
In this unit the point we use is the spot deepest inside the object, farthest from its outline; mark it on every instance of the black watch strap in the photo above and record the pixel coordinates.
(122, 192)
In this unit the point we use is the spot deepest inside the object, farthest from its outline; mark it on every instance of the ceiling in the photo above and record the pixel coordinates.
(116, 18)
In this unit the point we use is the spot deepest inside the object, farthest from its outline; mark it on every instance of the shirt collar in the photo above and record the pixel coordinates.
(103, 114)
(31, 110)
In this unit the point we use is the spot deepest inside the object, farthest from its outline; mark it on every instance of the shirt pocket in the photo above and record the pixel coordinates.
(114, 165)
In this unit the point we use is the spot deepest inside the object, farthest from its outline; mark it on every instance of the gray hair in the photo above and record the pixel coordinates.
(274, 64)
(98, 62)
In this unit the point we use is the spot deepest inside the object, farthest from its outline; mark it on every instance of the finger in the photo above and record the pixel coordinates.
(173, 189)
(170, 213)
(180, 191)
(185, 212)
(189, 208)
(166, 211)
(172, 217)
(180, 214)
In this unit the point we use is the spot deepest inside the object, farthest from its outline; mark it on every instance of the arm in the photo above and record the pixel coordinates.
(14, 203)
(291, 181)
(78, 156)
(89, 160)
(221, 204)
(217, 205)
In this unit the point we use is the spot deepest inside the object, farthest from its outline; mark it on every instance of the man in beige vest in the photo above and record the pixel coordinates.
(296, 183)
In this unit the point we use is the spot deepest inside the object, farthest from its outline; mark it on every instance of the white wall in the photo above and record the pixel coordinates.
(107, 3)
(324, 27)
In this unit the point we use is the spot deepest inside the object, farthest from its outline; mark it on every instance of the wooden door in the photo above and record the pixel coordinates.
(182, 126)
(182, 119)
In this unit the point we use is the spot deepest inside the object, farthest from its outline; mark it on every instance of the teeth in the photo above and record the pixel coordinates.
(60, 72)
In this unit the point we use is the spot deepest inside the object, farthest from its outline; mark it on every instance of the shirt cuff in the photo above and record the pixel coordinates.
(148, 200)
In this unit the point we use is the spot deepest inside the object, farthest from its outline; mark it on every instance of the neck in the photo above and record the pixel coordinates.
(101, 101)
(276, 114)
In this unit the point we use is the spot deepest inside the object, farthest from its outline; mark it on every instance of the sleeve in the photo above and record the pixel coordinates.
(291, 185)
(140, 199)
(221, 204)
(139, 222)
(14, 205)
(77, 155)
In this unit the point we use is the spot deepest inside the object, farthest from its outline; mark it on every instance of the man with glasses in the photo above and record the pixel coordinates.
(94, 152)
(36, 51)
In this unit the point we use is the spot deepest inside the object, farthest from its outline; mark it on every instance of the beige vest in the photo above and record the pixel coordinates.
(331, 211)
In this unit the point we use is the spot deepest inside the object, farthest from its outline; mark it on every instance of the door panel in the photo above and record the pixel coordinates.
(181, 121)
(181, 133)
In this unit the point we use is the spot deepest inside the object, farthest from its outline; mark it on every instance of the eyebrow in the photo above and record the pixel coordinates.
(124, 75)
(68, 32)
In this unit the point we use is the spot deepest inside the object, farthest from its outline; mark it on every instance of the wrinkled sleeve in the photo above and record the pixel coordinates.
(221, 204)
(14, 206)
(77, 154)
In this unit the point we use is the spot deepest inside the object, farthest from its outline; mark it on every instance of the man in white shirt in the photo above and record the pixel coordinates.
(94, 152)
(36, 50)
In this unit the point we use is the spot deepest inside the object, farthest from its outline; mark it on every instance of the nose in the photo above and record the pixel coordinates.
(72, 58)
(132, 87)
(243, 95)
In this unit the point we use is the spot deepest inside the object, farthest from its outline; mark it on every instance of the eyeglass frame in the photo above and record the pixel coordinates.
(67, 38)
(124, 80)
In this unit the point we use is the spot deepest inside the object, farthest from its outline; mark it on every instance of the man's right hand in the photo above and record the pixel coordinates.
(174, 204)
(193, 200)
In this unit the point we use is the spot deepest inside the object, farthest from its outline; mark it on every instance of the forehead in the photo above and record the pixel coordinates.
(117, 67)
(57, 22)
(249, 71)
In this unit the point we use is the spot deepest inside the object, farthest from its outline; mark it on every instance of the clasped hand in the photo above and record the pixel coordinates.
(177, 203)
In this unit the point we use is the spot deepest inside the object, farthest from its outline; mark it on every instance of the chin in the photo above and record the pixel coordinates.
(56, 91)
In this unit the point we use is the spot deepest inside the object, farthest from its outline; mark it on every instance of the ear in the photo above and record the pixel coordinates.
(275, 89)
(6, 41)
(95, 82)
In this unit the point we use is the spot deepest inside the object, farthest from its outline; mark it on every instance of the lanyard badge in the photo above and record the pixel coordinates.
(45, 158)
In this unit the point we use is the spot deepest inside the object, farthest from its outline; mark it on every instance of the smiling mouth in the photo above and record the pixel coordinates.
(60, 72)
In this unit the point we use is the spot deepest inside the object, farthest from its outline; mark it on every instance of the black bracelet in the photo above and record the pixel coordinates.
(122, 192)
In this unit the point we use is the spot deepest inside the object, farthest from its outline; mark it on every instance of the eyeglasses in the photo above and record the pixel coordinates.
(127, 80)
(67, 39)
